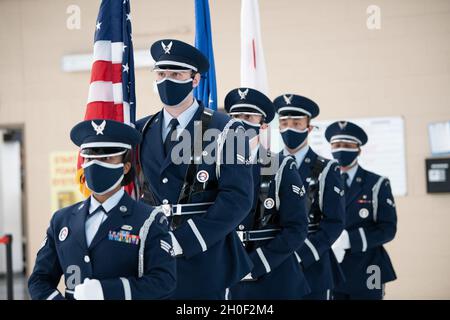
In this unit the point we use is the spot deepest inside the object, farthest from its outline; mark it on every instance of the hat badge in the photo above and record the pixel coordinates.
(243, 94)
(99, 128)
(167, 48)
(288, 99)
(342, 124)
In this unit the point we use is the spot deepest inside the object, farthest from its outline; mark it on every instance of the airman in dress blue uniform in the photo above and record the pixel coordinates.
(371, 218)
(205, 187)
(325, 195)
(277, 223)
(108, 246)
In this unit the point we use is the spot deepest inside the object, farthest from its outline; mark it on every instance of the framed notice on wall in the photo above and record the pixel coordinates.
(64, 189)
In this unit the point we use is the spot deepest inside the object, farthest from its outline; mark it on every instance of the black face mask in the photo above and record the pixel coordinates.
(293, 138)
(173, 92)
(345, 156)
(102, 177)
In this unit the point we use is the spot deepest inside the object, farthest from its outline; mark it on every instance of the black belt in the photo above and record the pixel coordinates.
(257, 235)
(171, 210)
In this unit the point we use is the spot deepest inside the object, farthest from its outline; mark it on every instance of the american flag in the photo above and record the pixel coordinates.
(112, 87)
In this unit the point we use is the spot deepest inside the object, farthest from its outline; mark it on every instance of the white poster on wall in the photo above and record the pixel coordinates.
(439, 134)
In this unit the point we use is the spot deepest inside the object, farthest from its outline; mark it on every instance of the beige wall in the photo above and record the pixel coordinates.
(321, 49)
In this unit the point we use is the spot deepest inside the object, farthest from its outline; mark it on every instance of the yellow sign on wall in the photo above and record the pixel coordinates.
(64, 189)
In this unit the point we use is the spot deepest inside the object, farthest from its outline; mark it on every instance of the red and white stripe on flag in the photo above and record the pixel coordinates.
(111, 90)
(105, 99)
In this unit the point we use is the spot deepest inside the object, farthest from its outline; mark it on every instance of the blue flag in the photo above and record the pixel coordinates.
(207, 89)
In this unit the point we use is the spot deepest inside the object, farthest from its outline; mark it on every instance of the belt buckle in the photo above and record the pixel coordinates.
(243, 236)
(167, 209)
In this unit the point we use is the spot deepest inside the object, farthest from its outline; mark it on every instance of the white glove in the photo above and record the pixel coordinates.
(89, 290)
(343, 241)
(339, 253)
(339, 246)
(248, 277)
(175, 245)
(346, 239)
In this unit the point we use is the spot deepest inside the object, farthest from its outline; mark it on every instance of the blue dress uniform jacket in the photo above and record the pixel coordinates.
(370, 222)
(322, 270)
(122, 272)
(213, 256)
(276, 269)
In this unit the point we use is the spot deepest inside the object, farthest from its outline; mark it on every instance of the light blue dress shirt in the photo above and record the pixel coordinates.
(183, 119)
(351, 174)
(94, 222)
(299, 155)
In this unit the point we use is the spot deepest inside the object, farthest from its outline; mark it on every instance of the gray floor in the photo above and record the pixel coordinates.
(20, 287)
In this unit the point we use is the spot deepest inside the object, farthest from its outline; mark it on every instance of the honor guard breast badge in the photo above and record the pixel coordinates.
(202, 176)
(269, 203)
(63, 234)
(363, 213)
